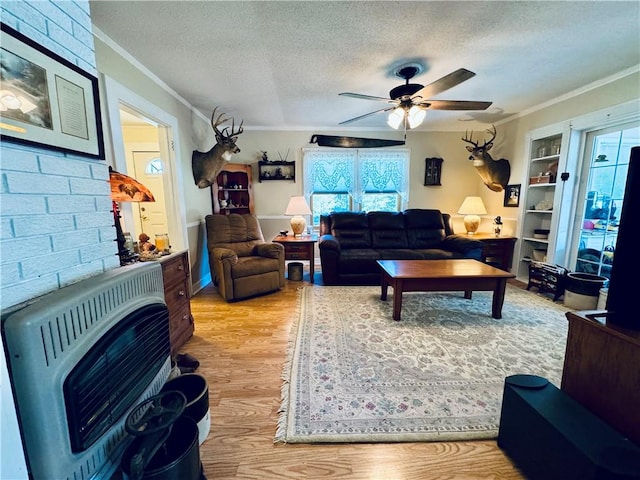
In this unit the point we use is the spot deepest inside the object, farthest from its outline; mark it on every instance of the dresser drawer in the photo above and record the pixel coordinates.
(175, 269)
(492, 248)
(176, 295)
(293, 249)
(298, 255)
(180, 326)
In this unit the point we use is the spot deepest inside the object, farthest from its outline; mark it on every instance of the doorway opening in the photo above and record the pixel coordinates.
(144, 144)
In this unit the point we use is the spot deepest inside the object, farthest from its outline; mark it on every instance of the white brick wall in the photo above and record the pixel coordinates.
(56, 216)
(56, 227)
(55, 211)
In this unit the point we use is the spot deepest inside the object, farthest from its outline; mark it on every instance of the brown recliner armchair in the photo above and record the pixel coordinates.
(242, 263)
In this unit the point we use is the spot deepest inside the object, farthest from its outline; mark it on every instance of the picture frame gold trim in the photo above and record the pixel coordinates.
(47, 101)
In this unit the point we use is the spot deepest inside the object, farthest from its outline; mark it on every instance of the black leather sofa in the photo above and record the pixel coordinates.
(351, 242)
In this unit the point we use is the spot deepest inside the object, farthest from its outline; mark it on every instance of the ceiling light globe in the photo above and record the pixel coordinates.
(395, 118)
(416, 116)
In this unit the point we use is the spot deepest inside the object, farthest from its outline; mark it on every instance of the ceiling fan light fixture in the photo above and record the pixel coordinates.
(416, 116)
(395, 118)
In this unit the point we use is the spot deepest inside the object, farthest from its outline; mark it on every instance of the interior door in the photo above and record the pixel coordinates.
(152, 215)
(596, 228)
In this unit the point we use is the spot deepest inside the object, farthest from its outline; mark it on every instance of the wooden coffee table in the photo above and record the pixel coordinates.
(442, 276)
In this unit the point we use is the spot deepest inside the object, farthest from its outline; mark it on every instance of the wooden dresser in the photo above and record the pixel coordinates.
(176, 273)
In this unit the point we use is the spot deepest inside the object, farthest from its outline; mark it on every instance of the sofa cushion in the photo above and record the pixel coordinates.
(351, 229)
(438, 254)
(358, 260)
(399, 254)
(248, 266)
(387, 230)
(425, 228)
(240, 233)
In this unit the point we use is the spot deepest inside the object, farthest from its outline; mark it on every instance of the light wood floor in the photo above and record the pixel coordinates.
(241, 348)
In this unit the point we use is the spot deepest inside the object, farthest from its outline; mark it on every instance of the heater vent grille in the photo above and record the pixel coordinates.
(70, 326)
(114, 373)
(73, 424)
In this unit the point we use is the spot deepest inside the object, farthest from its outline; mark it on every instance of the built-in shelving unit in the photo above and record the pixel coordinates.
(543, 224)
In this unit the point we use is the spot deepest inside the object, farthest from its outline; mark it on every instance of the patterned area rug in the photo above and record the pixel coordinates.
(355, 375)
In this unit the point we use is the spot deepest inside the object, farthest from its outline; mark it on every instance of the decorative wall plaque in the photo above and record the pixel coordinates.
(432, 171)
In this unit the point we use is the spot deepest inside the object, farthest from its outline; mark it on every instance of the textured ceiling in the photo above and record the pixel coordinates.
(281, 65)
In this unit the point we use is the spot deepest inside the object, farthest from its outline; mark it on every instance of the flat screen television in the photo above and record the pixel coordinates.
(621, 305)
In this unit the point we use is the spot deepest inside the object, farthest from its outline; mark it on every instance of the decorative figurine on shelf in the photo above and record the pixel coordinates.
(497, 225)
(264, 157)
(145, 244)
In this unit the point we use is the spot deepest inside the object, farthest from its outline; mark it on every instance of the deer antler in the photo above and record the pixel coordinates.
(491, 131)
(220, 120)
(233, 125)
(470, 139)
(217, 121)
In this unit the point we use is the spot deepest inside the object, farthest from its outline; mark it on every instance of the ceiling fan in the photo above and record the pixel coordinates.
(410, 102)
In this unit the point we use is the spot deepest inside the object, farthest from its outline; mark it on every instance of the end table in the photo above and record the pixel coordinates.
(299, 248)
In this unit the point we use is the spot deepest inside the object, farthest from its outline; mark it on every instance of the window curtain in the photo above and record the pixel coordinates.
(356, 171)
(383, 171)
(329, 171)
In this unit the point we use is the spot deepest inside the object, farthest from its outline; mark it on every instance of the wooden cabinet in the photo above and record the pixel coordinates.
(176, 274)
(232, 192)
(602, 370)
(497, 251)
(280, 170)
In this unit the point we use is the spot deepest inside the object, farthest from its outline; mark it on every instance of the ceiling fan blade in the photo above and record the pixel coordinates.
(455, 105)
(364, 97)
(366, 115)
(444, 83)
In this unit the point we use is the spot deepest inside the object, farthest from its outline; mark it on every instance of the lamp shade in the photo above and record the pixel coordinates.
(472, 207)
(297, 207)
(127, 189)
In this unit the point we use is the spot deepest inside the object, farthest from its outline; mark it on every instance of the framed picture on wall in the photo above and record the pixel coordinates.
(512, 195)
(47, 101)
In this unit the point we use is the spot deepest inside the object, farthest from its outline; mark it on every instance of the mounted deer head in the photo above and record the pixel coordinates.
(206, 166)
(494, 173)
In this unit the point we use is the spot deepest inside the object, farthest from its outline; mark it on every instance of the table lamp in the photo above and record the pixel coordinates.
(297, 207)
(472, 207)
(125, 189)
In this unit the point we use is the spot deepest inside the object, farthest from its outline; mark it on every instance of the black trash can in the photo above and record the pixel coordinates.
(295, 271)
